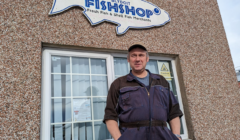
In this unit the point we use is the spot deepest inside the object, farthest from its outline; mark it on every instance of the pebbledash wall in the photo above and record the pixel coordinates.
(195, 36)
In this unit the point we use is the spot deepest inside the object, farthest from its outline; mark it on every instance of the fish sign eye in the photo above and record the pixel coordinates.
(156, 11)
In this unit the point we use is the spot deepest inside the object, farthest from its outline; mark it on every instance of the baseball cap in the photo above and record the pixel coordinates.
(136, 46)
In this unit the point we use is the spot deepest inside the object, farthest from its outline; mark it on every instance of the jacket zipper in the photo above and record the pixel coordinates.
(148, 93)
(149, 107)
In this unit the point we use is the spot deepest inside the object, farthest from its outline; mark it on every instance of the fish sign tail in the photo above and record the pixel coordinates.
(62, 5)
(121, 29)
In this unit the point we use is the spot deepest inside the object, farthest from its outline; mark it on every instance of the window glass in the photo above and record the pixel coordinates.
(61, 132)
(152, 66)
(61, 110)
(61, 85)
(101, 132)
(99, 86)
(79, 88)
(120, 67)
(99, 105)
(98, 66)
(80, 65)
(83, 131)
(81, 85)
(60, 64)
(165, 70)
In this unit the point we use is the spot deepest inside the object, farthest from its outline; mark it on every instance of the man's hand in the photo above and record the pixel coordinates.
(175, 126)
(112, 127)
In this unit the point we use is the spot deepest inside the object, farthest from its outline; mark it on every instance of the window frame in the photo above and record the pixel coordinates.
(46, 82)
(46, 86)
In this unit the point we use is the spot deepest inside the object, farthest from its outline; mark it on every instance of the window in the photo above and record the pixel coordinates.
(75, 87)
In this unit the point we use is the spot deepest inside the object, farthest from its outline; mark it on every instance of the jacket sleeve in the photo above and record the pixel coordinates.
(174, 108)
(112, 102)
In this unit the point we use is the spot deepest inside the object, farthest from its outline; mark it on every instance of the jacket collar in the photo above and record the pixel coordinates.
(131, 77)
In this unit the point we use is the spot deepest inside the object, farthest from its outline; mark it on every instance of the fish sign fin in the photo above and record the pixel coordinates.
(62, 5)
(93, 20)
(122, 28)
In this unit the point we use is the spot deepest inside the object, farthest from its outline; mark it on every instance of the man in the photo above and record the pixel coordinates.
(142, 102)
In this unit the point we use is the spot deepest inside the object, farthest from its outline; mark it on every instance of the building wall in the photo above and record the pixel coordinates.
(195, 33)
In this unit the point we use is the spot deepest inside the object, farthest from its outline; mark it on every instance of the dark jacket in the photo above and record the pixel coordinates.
(130, 101)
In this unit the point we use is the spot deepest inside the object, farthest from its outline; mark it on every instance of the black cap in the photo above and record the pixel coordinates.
(136, 46)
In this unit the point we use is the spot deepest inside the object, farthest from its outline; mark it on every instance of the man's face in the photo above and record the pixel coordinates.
(138, 59)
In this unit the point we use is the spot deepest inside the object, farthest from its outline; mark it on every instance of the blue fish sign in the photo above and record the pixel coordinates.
(126, 14)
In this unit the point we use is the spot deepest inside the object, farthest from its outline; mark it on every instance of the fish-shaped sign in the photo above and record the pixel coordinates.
(126, 14)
